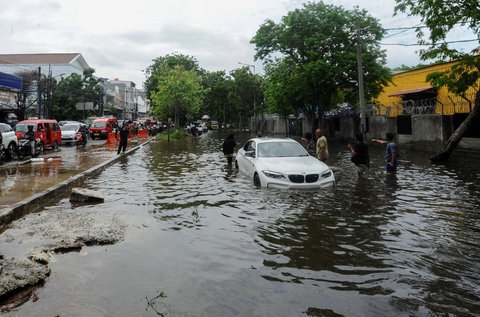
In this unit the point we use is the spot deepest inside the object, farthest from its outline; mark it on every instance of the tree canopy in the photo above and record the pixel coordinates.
(318, 42)
(74, 89)
(179, 92)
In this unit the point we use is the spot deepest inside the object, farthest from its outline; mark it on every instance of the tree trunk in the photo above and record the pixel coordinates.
(444, 154)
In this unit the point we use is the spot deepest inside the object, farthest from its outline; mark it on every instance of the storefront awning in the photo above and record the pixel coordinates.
(411, 91)
(10, 81)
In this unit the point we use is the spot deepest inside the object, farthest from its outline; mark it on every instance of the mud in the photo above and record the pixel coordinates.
(29, 244)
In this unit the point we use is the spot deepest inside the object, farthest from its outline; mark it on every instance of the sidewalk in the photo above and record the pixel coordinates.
(27, 186)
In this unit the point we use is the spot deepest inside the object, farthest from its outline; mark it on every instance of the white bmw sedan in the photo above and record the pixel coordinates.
(282, 163)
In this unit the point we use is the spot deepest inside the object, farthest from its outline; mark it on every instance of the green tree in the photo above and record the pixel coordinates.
(215, 102)
(72, 90)
(440, 17)
(164, 64)
(179, 92)
(283, 83)
(320, 40)
(245, 92)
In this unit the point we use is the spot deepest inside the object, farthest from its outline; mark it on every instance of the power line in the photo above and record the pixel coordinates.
(430, 44)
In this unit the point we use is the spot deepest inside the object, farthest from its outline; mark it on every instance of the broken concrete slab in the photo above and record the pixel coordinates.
(83, 195)
(17, 274)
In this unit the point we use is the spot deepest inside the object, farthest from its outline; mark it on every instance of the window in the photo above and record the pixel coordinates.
(39, 127)
(404, 125)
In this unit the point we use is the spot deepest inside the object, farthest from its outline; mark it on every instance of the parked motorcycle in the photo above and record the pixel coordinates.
(24, 148)
(81, 139)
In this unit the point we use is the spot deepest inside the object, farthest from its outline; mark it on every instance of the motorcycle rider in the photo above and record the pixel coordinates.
(83, 130)
(30, 136)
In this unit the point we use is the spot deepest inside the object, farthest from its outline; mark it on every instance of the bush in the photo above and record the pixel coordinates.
(174, 135)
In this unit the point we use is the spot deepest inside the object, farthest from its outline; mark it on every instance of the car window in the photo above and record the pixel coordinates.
(249, 146)
(281, 149)
(3, 128)
(99, 124)
(70, 127)
(39, 127)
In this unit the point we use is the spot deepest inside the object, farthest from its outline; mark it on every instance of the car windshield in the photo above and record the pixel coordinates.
(281, 149)
(99, 124)
(70, 127)
(23, 127)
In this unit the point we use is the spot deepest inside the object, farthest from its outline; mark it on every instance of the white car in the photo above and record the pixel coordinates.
(69, 130)
(282, 163)
(9, 140)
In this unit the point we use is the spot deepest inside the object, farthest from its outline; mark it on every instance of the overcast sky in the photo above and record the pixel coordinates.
(120, 38)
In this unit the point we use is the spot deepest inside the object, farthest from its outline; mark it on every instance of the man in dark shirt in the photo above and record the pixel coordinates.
(360, 155)
(122, 144)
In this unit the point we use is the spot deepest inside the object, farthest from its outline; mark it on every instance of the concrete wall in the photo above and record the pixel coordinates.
(427, 132)
(379, 126)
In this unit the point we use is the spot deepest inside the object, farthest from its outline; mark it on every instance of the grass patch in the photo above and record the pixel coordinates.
(174, 135)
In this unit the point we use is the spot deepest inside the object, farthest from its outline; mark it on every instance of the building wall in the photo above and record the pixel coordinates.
(446, 103)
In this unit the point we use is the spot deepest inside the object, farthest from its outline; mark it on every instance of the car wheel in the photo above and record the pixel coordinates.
(55, 145)
(21, 153)
(256, 180)
(236, 165)
(40, 148)
(11, 151)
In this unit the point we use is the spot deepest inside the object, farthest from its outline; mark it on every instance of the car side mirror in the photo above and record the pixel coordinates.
(250, 153)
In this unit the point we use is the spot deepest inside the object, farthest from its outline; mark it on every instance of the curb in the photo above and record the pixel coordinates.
(39, 200)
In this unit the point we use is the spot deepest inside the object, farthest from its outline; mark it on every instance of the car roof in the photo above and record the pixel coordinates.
(38, 121)
(272, 140)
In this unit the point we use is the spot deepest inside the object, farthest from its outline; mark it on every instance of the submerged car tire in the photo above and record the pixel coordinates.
(256, 180)
(55, 145)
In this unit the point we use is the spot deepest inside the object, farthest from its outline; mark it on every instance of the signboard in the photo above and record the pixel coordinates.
(88, 105)
(10, 81)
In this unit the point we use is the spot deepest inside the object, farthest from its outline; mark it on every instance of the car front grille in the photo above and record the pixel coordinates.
(297, 178)
(311, 178)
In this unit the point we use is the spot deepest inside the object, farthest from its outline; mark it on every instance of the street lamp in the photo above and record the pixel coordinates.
(254, 88)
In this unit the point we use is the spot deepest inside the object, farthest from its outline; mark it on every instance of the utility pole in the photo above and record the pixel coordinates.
(361, 93)
(39, 93)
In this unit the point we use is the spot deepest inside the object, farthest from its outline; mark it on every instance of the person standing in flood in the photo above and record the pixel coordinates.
(322, 146)
(229, 147)
(391, 152)
(360, 155)
(122, 144)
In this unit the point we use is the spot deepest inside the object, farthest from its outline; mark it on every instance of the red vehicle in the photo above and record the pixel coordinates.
(101, 127)
(47, 130)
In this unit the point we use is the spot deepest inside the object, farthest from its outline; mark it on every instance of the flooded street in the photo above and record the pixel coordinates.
(18, 182)
(201, 240)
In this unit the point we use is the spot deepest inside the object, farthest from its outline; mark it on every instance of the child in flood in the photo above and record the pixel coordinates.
(391, 152)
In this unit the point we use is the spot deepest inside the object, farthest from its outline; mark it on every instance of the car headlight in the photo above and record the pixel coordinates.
(271, 174)
(327, 174)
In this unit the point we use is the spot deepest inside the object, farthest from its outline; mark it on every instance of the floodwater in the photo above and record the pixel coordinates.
(202, 241)
(18, 182)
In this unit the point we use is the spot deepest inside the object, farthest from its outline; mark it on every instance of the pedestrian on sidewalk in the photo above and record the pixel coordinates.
(122, 144)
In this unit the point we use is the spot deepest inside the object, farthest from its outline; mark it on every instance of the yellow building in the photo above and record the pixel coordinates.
(411, 94)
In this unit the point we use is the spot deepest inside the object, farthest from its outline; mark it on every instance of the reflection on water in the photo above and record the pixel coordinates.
(20, 182)
(200, 234)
